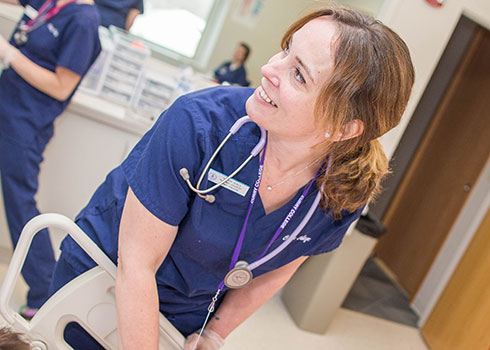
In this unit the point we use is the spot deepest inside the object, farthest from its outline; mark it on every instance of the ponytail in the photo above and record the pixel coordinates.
(353, 179)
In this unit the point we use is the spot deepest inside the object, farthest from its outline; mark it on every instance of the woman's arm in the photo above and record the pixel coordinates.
(59, 84)
(130, 18)
(144, 242)
(239, 304)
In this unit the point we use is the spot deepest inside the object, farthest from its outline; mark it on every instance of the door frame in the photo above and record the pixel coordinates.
(424, 112)
(474, 209)
(436, 33)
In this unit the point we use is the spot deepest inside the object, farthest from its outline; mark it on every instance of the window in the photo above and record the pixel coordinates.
(181, 27)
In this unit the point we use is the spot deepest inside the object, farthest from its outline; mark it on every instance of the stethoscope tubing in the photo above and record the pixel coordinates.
(233, 130)
(255, 151)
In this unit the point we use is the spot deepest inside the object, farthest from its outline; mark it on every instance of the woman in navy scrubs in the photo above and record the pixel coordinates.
(51, 49)
(233, 71)
(342, 80)
(120, 13)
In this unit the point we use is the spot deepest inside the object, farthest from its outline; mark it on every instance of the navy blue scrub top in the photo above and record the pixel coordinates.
(236, 76)
(70, 40)
(185, 136)
(115, 12)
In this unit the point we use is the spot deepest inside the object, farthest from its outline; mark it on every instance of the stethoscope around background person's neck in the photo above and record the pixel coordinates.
(48, 10)
(240, 272)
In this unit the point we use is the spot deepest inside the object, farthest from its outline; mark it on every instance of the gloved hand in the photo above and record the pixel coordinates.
(4, 47)
(209, 341)
(6, 51)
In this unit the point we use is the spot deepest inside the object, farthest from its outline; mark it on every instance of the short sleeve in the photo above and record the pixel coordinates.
(80, 45)
(217, 71)
(139, 6)
(336, 234)
(242, 77)
(152, 168)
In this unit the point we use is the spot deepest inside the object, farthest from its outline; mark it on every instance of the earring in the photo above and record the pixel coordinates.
(327, 135)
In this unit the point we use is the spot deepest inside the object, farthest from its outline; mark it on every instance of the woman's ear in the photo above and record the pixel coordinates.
(348, 131)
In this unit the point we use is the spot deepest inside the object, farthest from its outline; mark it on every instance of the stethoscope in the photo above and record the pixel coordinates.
(240, 272)
(47, 11)
(233, 130)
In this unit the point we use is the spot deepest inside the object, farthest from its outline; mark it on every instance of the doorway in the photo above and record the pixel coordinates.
(441, 169)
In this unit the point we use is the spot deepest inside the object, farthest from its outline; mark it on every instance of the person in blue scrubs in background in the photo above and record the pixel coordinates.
(120, 13)
(341, 80)
(51, 49)
(233, 72)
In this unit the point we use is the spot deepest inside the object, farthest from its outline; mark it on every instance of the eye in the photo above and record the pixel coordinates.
(298, 76)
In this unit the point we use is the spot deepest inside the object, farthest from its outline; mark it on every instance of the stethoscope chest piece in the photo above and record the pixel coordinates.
(20, 37)
(239, 276)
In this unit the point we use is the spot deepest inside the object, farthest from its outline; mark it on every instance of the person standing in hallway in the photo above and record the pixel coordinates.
(51, 49)
(233, 71)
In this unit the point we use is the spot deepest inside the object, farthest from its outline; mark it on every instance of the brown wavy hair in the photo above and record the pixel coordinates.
(371, 81)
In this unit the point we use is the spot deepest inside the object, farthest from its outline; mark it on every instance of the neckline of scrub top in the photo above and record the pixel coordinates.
(270, 218)
(291, 213)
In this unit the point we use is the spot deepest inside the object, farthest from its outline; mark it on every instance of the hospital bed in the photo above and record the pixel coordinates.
(88, 300)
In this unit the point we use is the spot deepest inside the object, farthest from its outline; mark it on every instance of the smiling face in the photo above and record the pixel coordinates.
(284, 103)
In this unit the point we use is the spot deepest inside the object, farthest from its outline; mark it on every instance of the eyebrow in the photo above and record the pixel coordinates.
(301, 63)
(305, 67)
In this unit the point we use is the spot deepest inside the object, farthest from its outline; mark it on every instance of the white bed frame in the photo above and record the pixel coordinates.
(88, 300)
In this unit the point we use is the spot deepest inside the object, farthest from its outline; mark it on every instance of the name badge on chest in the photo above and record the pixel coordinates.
(233, 185)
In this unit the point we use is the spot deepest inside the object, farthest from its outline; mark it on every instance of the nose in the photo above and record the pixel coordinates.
(271, 70)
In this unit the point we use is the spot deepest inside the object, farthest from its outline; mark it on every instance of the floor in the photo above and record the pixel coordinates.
(271, 327)
(375, 294)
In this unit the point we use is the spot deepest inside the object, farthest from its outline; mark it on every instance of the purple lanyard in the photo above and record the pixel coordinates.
(290, 215)
(281, 228)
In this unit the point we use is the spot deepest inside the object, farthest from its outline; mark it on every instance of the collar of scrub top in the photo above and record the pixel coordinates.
(264, 258)
(47, 11)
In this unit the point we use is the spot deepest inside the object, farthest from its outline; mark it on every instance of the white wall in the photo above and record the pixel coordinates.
(427, 30)
(9, 14)
(265, 36)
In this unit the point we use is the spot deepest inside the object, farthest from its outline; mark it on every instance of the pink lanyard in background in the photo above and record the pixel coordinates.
(47, 11)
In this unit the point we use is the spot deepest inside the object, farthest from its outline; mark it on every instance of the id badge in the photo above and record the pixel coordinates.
(30, 12)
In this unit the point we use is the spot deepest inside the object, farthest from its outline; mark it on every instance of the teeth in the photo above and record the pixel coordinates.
(265, 97)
